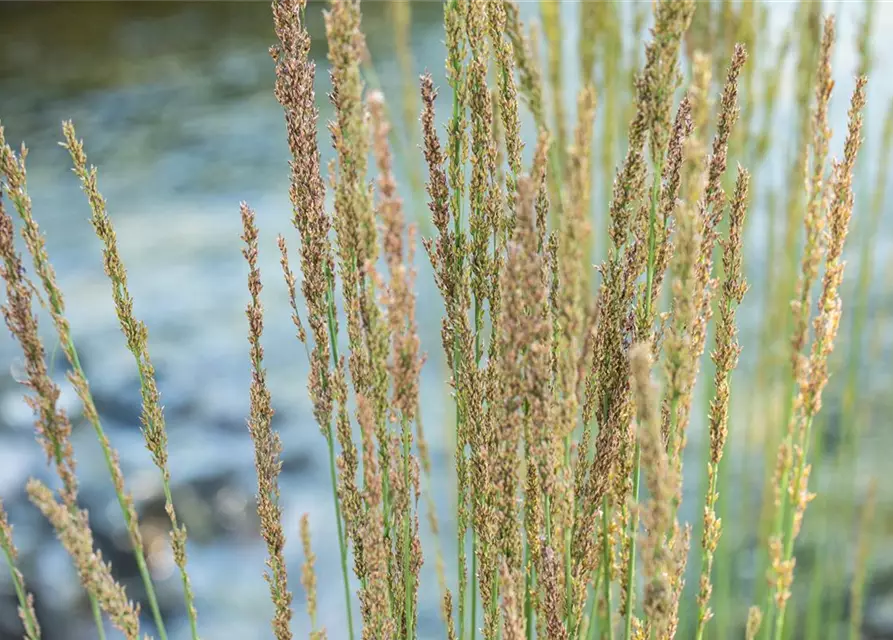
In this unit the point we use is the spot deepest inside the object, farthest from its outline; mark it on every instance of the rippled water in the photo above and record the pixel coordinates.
(175, 103)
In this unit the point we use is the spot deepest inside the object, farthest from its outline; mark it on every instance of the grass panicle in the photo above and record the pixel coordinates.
(12, 167)
(26, 611)
(267, 444)
(581, 280)
(137, 336)
(73, 530)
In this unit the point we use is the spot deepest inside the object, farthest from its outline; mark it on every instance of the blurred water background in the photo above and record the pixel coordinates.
(175, 103)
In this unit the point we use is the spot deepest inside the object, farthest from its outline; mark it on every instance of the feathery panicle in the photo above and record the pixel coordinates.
(400, 301)
(51, 425)
(725, 357)
(448, 254)
(73, 531)
(729, 112)
(671, 179)
(571, 288)
(711, 205)
(375, 596)
(354, 217)
(454, 17)
(662, 481)
(483, 167)
(557, 419)
(839, 214)
(653, 98)
(552, 593)
(574, 227)
(400, 298)
(550, 14)
(503, 51)
(523, 373)
(607, 397)
(12, 168)
(512, 604)
(357, 242)
(734, 287)
(295, 73)
(816, 205)
(693, 171)
(406, 362)
(448, 616)
(291, 285)
(267, 446)
(527, 63)
(681, 365)
(438, 189)
(294, 91)
(26, 601)
(754, 620)
(137, 336)
(811, 372)
(308, 578)
(660, 76)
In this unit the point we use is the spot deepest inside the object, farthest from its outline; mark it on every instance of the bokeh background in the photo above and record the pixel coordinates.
(175, 103)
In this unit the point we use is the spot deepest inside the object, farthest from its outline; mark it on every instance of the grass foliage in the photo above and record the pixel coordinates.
(573, 386)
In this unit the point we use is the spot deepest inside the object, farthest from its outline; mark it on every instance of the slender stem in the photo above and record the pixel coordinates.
(710, 500)
(97, 618)
(478, 352)
(606, 562)
(169, 501)
(184, 578)
(139, 554)
(569, 602)
(401, 147)
(457, 204)
(633, 529)
(529, 582)
(494, 600)
(706, 557)
(789, 524)
(592, 626)
(637, 451)
(474, 583)
(785, 521)
(407, 570)
(342, 546)
(27, 619)
(71, 353)
(94, 603)
(460, 533)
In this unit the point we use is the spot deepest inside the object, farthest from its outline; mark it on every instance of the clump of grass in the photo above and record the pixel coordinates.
(558, 416)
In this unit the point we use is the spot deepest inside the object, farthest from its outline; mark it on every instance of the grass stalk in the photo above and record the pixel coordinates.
(530, 350)
(13, 169)
(136, 334)
(330, 442)
(863, 551)
(632, 534)
(608, 622)
(26, 604)
(409, 587)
